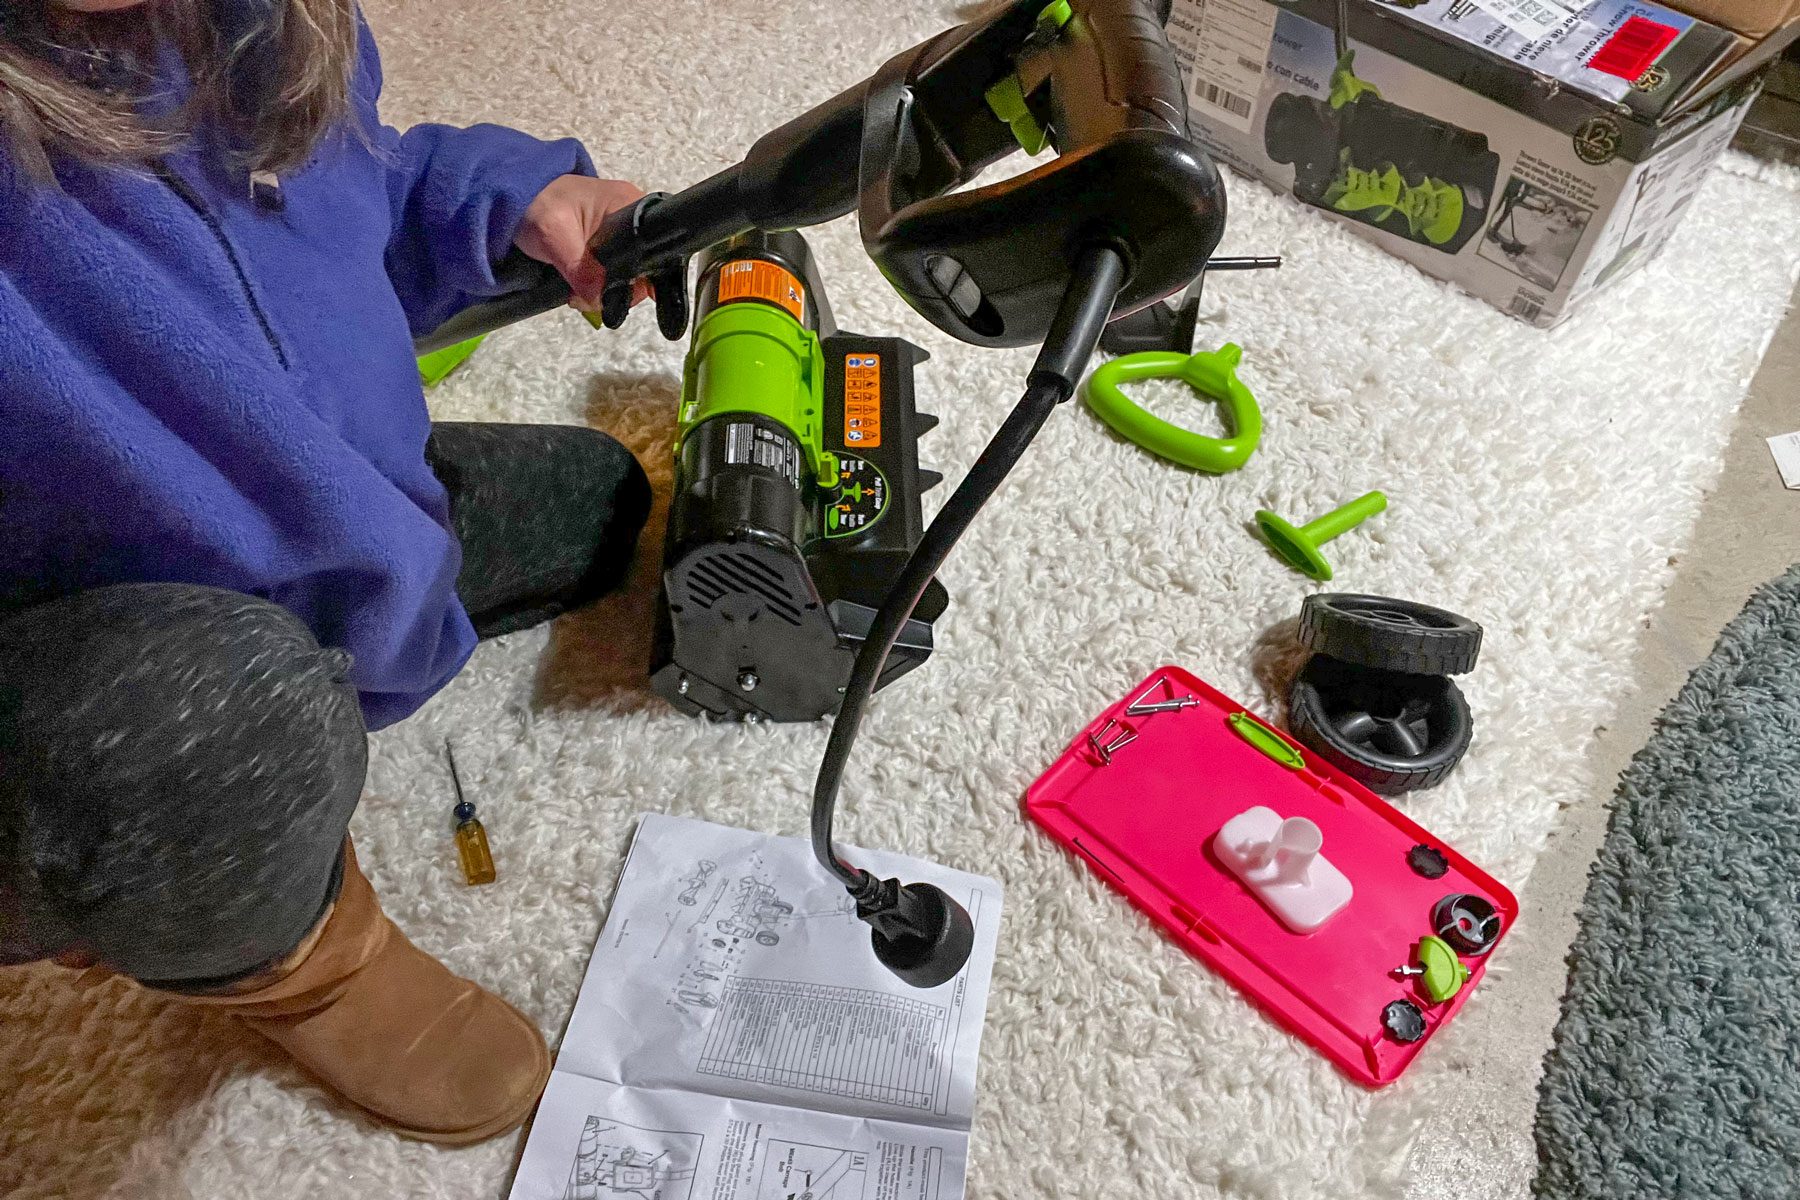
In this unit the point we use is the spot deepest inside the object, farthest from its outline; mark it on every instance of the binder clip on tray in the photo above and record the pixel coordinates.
(1340, 917)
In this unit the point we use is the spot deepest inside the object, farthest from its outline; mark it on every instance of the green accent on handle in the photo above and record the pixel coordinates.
(435, 367)
(1299, 547)
(756, 358)
(1267, 740)
(1444, 971)
(1054, 16)
(1213, 375)
(1007, 99)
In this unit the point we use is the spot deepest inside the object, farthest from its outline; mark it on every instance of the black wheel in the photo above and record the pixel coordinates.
(1389, 731)
(1389, 634)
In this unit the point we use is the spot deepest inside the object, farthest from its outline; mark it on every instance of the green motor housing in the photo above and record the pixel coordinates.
(796, 497)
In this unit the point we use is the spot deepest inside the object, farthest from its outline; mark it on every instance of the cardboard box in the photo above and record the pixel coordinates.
(1771, 129)
(1528, 154)
(1755, 19)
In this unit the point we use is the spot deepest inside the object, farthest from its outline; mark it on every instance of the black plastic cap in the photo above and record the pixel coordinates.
(937, 943)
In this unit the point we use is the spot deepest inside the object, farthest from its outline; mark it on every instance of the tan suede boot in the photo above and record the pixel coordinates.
(390, 1029)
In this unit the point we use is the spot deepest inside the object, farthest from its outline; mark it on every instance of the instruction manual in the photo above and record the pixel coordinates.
(736, 1039)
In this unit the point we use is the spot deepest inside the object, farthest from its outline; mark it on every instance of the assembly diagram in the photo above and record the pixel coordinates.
(693, 885)
(617, 1161)
(756, 912)
(721, 914)
(801, 1171)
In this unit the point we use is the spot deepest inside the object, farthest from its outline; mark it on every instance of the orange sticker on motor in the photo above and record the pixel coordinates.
(754, 279)
(862, 401)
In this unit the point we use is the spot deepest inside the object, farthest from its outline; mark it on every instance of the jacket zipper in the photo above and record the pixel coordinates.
(192, 199)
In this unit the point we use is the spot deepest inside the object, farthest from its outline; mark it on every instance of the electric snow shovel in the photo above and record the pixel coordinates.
(1125, 215)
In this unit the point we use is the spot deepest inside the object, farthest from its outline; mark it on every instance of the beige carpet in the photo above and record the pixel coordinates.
(1539, 482)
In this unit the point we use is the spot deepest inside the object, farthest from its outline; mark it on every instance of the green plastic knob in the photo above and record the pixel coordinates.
(1444, 972)
(1211, 374)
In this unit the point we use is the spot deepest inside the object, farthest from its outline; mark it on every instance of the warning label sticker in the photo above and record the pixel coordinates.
(754, 279)
(862, 400)
(758, 447)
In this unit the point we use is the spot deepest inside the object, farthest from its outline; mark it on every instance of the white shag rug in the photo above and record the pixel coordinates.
(1541, 483)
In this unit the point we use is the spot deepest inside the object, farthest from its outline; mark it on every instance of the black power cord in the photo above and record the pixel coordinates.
(918, 931)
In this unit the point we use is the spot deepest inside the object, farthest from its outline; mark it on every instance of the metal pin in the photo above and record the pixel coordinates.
(1106, 749)
(1125, 739)
(1407, 972)
(1143, 705)
(1094, 741)
(1248, 262)
(1154, 684)
(1144, 710)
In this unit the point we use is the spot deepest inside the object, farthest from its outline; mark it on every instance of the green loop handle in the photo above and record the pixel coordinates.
(1211, 374)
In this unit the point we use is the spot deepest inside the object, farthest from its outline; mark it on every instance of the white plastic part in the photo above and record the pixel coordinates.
(1281, 862)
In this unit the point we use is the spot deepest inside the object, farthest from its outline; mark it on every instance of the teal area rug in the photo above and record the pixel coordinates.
(1676, 1067)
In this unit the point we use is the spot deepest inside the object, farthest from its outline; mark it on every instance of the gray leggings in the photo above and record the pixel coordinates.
(178, 764)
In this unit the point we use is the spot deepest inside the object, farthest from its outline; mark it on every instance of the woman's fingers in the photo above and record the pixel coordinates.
(561, 224)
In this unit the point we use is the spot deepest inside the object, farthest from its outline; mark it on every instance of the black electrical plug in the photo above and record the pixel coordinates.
(918, 931)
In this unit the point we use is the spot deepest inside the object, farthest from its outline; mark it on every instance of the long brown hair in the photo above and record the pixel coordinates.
(272, 75)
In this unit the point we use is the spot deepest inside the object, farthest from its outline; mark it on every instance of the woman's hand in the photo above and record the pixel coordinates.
(561, 222)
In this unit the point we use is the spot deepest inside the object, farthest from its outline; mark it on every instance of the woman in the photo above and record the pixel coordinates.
(230, 538)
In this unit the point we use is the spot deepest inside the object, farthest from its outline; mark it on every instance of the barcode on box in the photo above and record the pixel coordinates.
(1250, 65)
(1528, 308)
(1231, 102)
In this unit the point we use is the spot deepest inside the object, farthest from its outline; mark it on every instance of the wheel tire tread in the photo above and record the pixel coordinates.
(1342, 634)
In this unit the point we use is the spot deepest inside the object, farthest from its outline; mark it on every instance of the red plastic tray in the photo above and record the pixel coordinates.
(1146, 823)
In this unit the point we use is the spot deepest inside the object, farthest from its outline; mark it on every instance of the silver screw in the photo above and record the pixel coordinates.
(682, 687)
(751, 718)
(748, 681)
(1407, 972)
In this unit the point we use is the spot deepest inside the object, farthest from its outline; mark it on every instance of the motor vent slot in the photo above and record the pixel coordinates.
(715, 576)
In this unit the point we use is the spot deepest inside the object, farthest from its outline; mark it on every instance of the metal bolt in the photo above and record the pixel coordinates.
(1143, 705)
(682, 687)
(748, 681)
(751, 718)
(1407, 972)
(1142, 710)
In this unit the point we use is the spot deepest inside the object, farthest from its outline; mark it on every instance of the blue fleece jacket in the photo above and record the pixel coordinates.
(198, 387)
